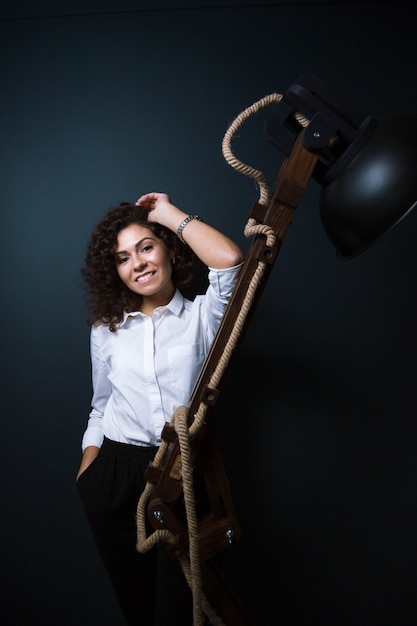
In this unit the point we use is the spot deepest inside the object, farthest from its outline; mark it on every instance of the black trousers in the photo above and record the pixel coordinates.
(150, 588)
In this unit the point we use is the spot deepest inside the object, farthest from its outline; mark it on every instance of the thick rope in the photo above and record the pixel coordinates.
(191, 565)
(230, 157)
(191, 514)
(234, 127)
(179, 420)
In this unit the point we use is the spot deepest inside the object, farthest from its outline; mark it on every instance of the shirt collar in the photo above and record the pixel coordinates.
(175, 306)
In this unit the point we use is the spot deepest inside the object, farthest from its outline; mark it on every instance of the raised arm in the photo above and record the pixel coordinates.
(212, 247)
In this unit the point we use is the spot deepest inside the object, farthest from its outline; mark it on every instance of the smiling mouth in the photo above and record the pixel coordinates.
(144, 277)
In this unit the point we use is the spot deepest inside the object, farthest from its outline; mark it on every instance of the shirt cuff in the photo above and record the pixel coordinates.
(223, 280)
(92, 437)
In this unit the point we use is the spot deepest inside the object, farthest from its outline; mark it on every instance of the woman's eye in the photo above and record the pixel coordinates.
(121, 260)
(147, 248)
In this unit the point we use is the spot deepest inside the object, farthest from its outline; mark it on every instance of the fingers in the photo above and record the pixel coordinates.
(150, 200)
(144, 200)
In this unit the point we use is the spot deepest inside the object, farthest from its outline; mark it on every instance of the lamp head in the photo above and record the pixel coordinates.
(375, 191)
(367, 169)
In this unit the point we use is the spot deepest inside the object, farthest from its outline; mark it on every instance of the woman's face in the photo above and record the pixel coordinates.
(143, 263)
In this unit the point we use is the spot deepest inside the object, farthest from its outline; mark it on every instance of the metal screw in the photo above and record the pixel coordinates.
(158, 516)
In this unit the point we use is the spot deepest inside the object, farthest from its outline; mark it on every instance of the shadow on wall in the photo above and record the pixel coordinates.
(320, 474)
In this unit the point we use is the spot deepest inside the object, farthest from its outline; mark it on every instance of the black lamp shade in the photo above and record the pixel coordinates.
(375, 190)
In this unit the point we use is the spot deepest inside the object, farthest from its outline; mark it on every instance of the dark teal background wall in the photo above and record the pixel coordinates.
(102, 103)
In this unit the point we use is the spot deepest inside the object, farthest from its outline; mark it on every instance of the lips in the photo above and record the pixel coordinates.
(143, 278)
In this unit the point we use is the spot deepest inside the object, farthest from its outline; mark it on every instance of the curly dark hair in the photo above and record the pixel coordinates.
(107, 296)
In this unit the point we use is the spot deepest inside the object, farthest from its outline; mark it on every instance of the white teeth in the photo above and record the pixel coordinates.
(144, 277)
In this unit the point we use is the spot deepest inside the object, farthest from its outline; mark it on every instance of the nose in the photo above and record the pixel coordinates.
(138, 263)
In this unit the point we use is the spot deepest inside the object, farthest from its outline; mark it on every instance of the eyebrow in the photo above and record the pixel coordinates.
(137, 244)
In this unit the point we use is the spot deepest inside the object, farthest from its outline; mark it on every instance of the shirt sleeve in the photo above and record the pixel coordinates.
(221, 285)
(93, 435)
(222, 282)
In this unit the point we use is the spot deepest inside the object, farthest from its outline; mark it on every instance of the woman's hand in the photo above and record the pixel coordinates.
(161, 210)
(158, 204)
(90, 453)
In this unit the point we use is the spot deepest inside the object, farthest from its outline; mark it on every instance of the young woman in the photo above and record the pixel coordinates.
(148, 343)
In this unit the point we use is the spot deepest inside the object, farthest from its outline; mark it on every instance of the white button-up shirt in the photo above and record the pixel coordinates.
(148, 367)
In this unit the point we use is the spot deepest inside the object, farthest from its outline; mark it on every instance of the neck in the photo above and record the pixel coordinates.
(150, 303)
